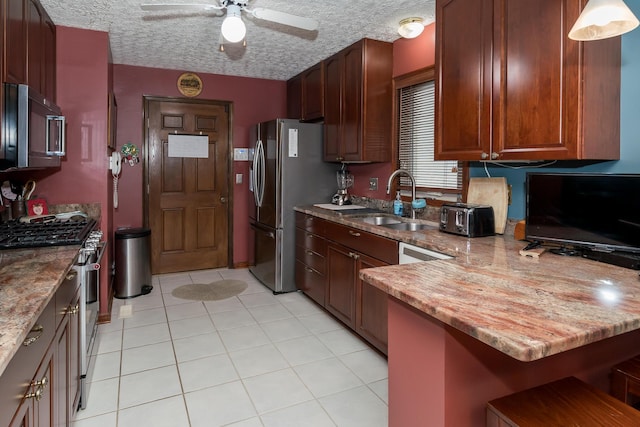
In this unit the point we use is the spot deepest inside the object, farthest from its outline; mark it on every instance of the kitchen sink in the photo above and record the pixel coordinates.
(381, 220)
(408, 226)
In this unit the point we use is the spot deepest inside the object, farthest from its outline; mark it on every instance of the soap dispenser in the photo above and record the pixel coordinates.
(397, 204)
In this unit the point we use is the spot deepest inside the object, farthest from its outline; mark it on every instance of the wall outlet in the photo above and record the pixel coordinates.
(373, 184)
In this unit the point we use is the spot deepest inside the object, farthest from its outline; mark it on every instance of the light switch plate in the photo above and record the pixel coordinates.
(373, 184)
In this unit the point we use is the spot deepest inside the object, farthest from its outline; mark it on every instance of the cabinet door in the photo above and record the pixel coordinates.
(294, 97)
(45, 408)
(35, 59)
(333, 108)
(341, 280)
(49, 66)
(24, 416)
(313, 93)
(62, 374)
(74, 356)
(463, 79)
(352, 103)
(15, 42)
(371, 308)
(535, 104)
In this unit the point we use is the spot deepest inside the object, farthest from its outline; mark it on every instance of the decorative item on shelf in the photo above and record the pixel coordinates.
(410, 28)
(130, 153)
(602, 19)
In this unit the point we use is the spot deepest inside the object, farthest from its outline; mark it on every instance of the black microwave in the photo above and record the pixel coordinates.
(33, 130)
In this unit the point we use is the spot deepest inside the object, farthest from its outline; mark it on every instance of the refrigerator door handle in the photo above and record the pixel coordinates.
(264, 230)
(254, 175)
(262, 166)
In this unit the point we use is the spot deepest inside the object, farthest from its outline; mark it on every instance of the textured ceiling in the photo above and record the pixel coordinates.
(190, 40)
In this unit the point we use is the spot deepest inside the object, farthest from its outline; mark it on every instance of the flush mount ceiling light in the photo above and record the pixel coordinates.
(602, 19)
(233, 29)
(411, 27)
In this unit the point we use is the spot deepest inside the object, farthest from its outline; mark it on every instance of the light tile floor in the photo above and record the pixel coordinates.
(257, 359)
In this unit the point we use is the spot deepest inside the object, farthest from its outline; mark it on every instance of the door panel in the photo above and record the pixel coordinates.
(187, 200)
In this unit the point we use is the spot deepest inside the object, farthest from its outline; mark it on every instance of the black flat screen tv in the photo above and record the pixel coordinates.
(592, 212)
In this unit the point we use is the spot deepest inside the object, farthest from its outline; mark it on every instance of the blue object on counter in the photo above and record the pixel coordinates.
(397, 204)
(419, 204)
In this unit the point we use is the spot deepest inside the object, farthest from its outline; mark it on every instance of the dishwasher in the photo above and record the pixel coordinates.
(410, 254)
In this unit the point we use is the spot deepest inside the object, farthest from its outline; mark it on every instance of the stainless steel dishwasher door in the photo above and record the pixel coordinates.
(409, 254)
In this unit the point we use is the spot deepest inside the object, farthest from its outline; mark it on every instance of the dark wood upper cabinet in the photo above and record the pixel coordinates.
(305, 95)
(30, 46)
(294, 97)
(358, 103)
(15, 41)
(510, 87)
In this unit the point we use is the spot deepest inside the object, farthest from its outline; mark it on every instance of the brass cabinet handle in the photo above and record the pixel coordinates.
(308, 270)
(354, 233)
(310, 253)
(39, 389)
(37, 329)
(494, 156)
(354, 255)
(42, 383)
(484, 156)
(74, 310)
(37, 394)
(72, 275)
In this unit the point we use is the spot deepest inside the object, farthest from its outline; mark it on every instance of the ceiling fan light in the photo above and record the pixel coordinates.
(601, 19)
(233, 29)
(411, 28)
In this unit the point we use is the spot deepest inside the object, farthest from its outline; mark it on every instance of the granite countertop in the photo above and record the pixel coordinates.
(525, 307)
(28, 280)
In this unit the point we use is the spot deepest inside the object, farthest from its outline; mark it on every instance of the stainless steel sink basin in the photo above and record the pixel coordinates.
(381, 220)
(408, 226)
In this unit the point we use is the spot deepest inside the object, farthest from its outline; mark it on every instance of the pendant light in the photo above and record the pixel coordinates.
(602, 19)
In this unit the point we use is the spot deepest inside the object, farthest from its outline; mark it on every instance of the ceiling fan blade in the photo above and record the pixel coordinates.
(308, 24)
(179, 6)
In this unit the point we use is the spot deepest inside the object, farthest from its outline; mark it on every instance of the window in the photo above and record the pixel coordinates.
(415, 139)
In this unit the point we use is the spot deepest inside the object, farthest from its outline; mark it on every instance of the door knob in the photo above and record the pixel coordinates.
(223, 199)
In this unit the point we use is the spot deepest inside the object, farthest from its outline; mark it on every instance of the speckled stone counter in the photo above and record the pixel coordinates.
(28, 280)
(526, 308)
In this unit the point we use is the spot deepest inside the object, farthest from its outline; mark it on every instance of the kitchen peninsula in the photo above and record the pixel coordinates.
(490, 322)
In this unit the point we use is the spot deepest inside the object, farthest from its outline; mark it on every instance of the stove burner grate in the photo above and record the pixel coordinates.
(15, 234)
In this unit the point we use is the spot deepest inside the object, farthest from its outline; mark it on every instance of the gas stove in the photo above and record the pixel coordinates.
(58, 232)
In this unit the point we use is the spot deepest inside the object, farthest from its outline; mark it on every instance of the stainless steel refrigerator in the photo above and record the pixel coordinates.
(286, 170)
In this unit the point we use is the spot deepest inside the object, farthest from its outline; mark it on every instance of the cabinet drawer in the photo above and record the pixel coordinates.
(311, 282)
(15, 380)
(311, 259)
(310, 223)
(367, 243)
(311, 241)
(65, 294)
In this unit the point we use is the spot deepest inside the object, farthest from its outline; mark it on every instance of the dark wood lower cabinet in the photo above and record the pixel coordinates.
(329, 257)
(341, 280)
(40, 386)
(371, 308)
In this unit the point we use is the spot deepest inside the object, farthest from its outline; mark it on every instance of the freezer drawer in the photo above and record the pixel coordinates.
(265, 254)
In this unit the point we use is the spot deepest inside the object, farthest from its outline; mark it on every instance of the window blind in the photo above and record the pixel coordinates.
(416, 120)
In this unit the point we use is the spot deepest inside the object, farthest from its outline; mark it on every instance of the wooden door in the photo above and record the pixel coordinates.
(35, 51)
(188, 197)
(352, 103)
(15, 42)
(313, 93)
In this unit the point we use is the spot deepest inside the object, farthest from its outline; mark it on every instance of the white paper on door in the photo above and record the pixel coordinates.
(196, 146)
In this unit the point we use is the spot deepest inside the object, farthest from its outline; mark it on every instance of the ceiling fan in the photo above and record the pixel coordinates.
(233, 28)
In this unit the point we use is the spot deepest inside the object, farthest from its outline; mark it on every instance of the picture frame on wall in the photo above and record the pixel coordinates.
(111, 121)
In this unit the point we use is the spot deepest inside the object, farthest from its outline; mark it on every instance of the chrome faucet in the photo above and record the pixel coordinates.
(413, 186)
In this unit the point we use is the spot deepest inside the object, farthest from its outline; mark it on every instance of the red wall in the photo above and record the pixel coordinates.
(82, 88)
(408, 55)
(254, 100)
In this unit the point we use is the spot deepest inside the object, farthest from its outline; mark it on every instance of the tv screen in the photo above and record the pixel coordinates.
(584, 211)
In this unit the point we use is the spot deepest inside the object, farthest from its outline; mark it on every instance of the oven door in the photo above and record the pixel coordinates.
(90, 269)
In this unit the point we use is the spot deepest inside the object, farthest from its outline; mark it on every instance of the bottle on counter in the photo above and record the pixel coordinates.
(397, 204)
